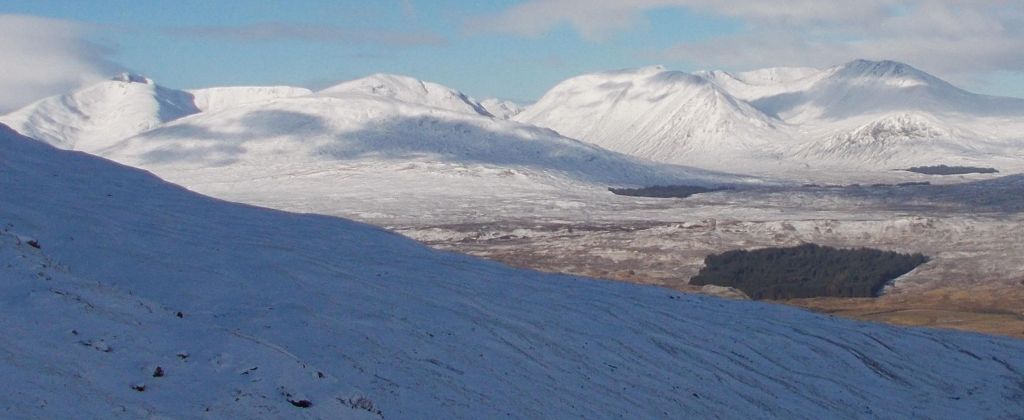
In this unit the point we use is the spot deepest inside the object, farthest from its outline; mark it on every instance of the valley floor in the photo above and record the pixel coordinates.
(970, 226)
(974, 282)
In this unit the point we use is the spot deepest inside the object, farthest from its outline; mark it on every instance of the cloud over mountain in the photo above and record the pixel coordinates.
(45, 57)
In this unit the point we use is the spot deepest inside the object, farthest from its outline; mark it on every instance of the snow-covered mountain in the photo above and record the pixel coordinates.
(111, 275)
(414, 140)
(95, 116)
(356, 127)
(859, 116)
(652, 113)
(893, 135)
(501, 109)
(218, 98)
(408, 89)
(864, 87)
(329, 153)
(867, 115)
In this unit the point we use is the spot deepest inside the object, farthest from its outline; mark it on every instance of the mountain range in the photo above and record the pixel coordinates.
(865, 116)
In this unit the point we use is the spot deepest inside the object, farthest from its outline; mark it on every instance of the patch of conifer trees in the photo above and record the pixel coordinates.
(806, 271)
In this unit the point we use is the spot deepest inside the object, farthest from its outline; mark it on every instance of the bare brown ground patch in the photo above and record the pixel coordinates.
(974, 283)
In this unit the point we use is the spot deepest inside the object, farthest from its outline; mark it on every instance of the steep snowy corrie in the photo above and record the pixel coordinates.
(110, 273)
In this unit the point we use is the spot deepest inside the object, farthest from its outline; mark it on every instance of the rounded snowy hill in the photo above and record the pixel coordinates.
(409, 90)
(95, 116)
(666, 116)
(863, 87)
(218, 98)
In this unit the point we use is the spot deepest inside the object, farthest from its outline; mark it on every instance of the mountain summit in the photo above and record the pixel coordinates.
(95, 116)
(408, 89)
(651, 113)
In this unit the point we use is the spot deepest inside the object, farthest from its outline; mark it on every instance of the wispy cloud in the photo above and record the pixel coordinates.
(44, 57)
(596, 20)
(278, 31)
(954, 37)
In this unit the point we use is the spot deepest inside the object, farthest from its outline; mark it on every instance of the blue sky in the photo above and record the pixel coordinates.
(512, 49)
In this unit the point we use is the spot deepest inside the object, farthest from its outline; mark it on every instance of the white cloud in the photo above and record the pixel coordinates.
(955, 38)
(44, 57)
(278, 31)
(596, 19)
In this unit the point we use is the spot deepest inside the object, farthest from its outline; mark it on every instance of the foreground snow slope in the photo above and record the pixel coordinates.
(98, 115)
(99, 259)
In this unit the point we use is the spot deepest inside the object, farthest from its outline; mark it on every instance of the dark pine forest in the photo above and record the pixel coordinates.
(806, 271)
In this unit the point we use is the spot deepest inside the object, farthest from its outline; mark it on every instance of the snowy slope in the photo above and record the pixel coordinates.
(501, 109)
(363, 323)
(892, 136)
(652, 113)
(756, 84)
(408, 89)
(218, 98)
(95, 116)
